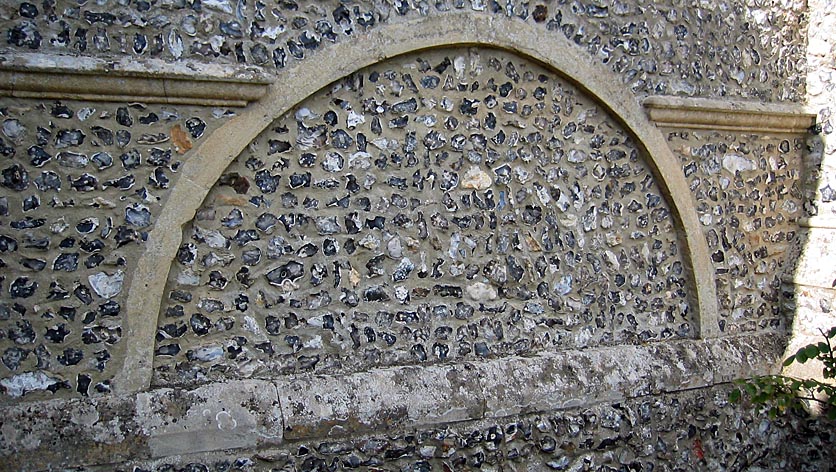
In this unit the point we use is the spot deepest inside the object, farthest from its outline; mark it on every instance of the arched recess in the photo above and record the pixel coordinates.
(207, 162)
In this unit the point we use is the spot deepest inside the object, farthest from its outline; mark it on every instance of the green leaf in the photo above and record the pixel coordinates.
(800, 356)
(734, 395)
(789, 360)
(811, 351)
(823, 347)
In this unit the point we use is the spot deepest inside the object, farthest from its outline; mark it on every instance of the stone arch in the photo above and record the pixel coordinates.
(208, 161)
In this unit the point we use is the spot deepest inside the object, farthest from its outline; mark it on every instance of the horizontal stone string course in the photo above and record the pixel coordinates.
(742, 116)
(267, 413)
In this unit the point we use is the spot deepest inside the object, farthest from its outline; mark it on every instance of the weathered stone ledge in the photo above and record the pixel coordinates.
(740, 116)
(266, 413)
(151, 81)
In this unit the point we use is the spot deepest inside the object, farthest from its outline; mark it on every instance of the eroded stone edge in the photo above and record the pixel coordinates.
(214, 155)
(248, 414)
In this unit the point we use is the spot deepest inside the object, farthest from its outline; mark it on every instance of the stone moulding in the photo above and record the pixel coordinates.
(739, 116)
(151, 81)
(264, 414)
(207, 162)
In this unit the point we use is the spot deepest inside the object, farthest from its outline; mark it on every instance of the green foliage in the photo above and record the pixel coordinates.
(778, 393)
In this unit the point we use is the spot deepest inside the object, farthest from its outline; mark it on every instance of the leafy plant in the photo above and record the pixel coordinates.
(779, 394)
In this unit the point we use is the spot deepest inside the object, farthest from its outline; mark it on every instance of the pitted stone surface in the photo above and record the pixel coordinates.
(450, 205)
(739, 48)
(750, 197)
(81, 184)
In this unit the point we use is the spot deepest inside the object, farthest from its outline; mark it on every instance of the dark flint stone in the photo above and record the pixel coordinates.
(291, 271)
(28, 223)
(159, 157)
(231, 29)
(38, 157)
(375, 293)
(83, 294)
(68, 262)
(399, 122)
(375, 266)
(7, 244)
(329, 247)
(339, 202)
(102, 160)
(123, 117)
(123, 138)
(86, 226)
(244, 237)
(15, 178)
(109, 308)
(104, 134)
(22, 287)
(341, 140)
(447, 291)
(4, 206)
(22, 333)
(48, 180)
(93, 261)
(28, 10)
(31, 202)
(469, 107)
(300, 180)
(251, 256)
(307, 159)
(266, 181)
(187, 253)
(57, 333)
(168, 350)
(408, 106)
(25, 34)
(351, 183)
(327, 225)
(430, 81)
(158, 178)
(122, 183)
(200, 324)
(85, 183)
(138, 216)
(275, 146)
(449, 180)
(36, 265)
(67, 243)
(378, 222)
(402, 271)
(171, 331)
(124, 235)
(234, 219)
(35, 243)
(196, 127)
(148, 119)
(266, 221)
(505, 89)
(71, 356)
(307, 250)
(327, 184)
(434, 140)
(131, 159)
(69, 137)
(217, 280)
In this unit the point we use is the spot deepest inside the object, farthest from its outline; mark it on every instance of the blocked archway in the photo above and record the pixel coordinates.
(213, 157)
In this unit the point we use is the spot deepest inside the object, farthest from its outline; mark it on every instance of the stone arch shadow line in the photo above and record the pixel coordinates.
(208, 161)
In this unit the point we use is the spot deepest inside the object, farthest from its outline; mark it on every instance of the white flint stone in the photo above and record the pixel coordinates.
(734, 163)
(18, 385)
(480, 291)
(107, 286)
(477, 179)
